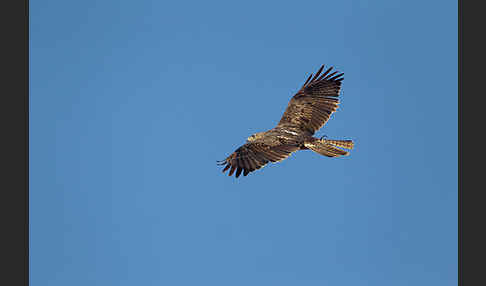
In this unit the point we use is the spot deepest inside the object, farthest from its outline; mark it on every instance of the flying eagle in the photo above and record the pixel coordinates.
(308, 110)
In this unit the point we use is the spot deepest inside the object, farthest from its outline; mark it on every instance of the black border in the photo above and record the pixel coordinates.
(14, 172)
(471, 205)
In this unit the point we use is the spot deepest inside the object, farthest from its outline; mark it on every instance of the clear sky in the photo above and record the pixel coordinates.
(132, 103)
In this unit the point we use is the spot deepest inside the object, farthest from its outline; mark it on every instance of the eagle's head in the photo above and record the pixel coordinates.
(255, 136)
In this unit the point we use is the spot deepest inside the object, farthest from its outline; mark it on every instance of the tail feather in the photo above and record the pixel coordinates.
(328, 147)
(348, 144)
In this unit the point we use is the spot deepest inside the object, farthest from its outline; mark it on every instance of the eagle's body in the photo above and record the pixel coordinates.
(307, 112)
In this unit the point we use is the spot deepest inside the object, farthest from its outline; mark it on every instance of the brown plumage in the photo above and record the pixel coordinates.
(308, 110)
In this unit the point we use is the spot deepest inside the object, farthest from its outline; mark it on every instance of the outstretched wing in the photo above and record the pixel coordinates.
(314, 103)
(254, 155)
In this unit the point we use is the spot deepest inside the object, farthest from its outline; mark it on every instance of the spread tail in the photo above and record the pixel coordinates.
(328, 147)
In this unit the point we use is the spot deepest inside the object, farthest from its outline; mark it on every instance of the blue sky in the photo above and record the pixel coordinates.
(132, 103)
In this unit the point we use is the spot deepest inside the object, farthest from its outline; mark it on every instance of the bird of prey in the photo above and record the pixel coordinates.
(307, 111)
